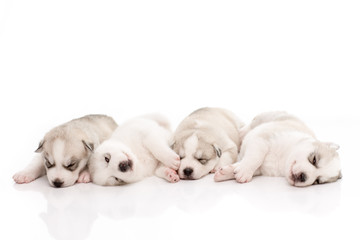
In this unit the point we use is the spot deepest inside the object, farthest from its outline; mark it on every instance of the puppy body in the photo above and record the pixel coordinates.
(137, 149)
(64, 151)
(278, 144)
(206, 140)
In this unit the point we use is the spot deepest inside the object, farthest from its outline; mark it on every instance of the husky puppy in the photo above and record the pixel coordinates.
(64, 151)
(278, 144)
(137, 149)
(206, 140)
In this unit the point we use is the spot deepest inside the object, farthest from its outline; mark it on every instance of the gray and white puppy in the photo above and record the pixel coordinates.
(64, 151)
(279, 144)
(206, 140)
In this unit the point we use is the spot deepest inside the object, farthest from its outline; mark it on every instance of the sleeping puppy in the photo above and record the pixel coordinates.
(206, 140)
(278, 144)
(64, 151)
(137, 149)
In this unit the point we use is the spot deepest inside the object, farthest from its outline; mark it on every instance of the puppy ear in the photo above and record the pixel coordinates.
(172, 145)
(332, 145)
(88, 146)
(175, 147)
(40, 147)
(217, 150)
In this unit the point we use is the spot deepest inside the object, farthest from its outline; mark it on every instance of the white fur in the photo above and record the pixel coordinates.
(32, 171)
(281, 145)
(142, 144)
(58, 150)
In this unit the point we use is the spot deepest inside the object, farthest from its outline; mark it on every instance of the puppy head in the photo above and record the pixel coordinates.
(197, 157)
(64, 159)
(313, 163)
(112, 164)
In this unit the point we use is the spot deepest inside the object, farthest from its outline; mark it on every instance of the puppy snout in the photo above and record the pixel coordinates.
(188, 171)
(301, 177)
(125, 166)
(57, 183)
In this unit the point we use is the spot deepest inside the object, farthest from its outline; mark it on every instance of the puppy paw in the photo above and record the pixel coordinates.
(172, 161)
(216, 168)
(242, 175)
(84, 177)
(24, 177)
(171, 175)
(224, 173)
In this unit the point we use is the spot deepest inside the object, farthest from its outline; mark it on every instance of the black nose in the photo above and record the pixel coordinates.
(57, 183)
(125, 166)
(301, 177)
(188, 171)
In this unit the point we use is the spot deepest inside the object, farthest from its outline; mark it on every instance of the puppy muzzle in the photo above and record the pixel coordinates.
(125, 166)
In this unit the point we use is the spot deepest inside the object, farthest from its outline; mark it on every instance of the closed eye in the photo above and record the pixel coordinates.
(48, 164)
(317, 181)
(314, 159)
(72, 166)
(119, 180)
(202, 161)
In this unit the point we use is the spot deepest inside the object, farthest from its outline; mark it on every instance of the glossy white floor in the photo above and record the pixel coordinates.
(190, 209)
(199, 209)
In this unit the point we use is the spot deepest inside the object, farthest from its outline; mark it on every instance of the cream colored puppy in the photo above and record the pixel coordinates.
(206, 140)
(137, 149)
(278, 144)
(64, 152)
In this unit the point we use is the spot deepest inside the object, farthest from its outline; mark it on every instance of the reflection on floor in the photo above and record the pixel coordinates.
(71, 212)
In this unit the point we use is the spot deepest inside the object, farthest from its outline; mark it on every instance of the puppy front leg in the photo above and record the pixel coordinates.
(241, 171)
(225, 173)
(227, 158)
(33, 171)
(162, 151)
(253, 157)
(225, 169)
(84, 176)
(167, 173)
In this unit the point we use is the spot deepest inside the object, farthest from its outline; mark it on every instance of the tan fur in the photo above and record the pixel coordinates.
(211, 119)
(90, 128)
(65, 150)
(213, 128)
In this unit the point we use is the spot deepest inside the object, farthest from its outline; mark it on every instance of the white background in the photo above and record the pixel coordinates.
(63, 59)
